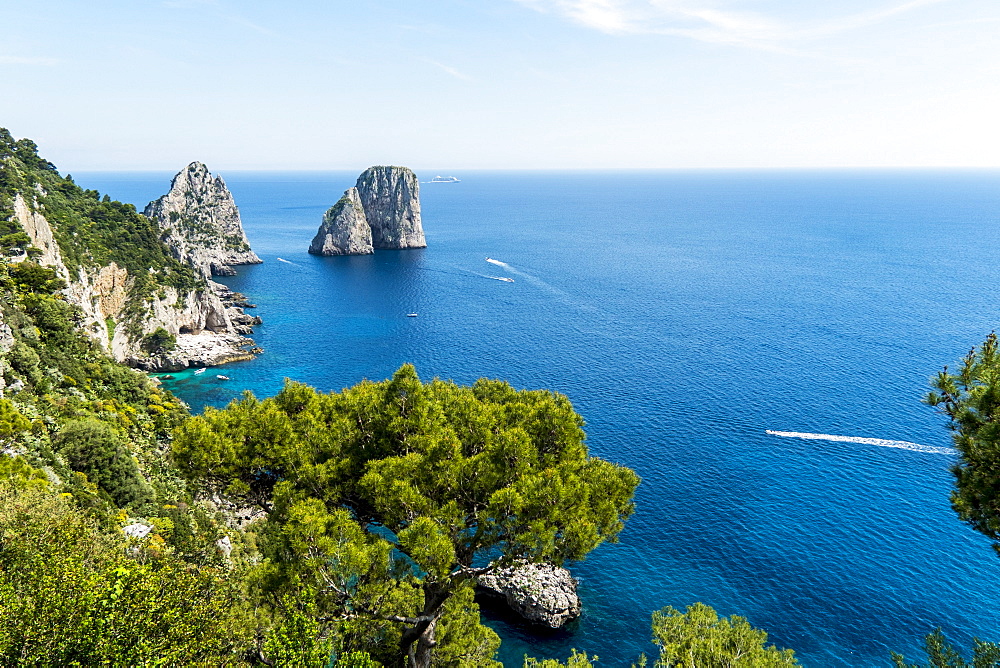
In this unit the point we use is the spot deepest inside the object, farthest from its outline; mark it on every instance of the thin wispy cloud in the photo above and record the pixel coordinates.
(711, 22)
(448, 69)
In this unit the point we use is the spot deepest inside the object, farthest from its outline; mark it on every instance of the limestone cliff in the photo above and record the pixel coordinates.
(391, 200)
(381, 211)
(120, 308)
(201, 224)
(345, 229)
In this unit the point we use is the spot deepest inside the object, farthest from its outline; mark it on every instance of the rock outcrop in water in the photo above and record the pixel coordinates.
(391, 199)
(382, 211)
(201, 223)
(541, 593)
(345, 229)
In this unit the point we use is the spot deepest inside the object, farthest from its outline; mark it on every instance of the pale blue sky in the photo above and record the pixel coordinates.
(462, 84)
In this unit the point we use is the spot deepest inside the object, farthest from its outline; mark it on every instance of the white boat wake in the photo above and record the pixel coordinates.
(498, 263)
(281, 259)
(881, 442)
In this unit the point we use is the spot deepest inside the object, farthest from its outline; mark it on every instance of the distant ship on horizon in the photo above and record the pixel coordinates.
(444, 179)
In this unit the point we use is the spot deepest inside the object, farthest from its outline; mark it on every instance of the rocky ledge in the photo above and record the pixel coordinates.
(203, 349)
(541, 593)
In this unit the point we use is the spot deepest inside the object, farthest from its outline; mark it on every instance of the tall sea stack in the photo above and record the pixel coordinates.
(381, 212)
(345, 229)
(391, 198)
(201, 224)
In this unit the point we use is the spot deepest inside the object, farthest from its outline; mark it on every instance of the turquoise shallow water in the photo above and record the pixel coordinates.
(685, 314)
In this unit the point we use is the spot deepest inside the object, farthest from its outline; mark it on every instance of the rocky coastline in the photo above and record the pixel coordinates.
(208, 324)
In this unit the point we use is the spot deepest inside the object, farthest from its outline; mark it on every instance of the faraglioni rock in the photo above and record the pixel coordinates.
(391, 198)
(381, 212)
(541, 593)
(201, 224)
(345, 229)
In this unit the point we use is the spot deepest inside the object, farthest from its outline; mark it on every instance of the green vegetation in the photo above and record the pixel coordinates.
(159, 342)
(941, 654)
(91, 231)
(698, 638)
(971, 400)
(382, 497)
(71, 594)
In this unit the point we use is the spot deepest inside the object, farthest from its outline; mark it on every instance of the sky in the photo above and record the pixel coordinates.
(503, 84)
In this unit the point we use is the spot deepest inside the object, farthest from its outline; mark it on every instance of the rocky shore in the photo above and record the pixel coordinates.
(541, 593)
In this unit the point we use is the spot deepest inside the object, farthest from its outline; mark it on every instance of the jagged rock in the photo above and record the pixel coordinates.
(391, 200)
(345, 229)
(540, 593)
(381, 212)
(198, 350)
(137, 530)
(6, 343)
(225, 546)
(201, 223)
(235, 515)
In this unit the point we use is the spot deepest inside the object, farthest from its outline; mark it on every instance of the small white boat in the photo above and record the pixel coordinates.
(221, 377)
(202, 370)
(412, 315)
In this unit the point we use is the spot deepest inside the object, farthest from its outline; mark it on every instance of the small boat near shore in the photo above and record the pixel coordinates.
(198, 371)
(412, 315)
(221, 377)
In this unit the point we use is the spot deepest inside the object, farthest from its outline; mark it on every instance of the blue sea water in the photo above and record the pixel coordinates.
(684, 314)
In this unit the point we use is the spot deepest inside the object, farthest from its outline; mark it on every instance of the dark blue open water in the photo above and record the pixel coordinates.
(684, 314)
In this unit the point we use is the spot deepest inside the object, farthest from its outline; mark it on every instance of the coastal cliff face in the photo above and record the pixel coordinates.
(345, 229)
(382, 211)
(391, 200)
(201, 224)
(118, 317)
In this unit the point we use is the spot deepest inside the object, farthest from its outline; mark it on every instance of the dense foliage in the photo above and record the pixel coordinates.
(385, 499)
(72, 594)
(941, 654)
(971, 400)
(698, 638)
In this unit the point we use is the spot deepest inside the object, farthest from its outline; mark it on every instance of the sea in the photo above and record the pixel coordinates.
(755, 344)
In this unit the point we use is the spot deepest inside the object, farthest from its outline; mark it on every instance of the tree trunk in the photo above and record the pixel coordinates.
(417, 643)
(421, 651)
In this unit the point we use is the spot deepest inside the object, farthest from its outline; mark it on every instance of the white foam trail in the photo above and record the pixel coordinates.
(881, 442)
(281, 259)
